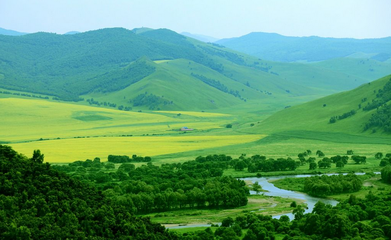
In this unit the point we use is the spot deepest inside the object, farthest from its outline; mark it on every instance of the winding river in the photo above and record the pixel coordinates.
(278, 192)
(275, 191)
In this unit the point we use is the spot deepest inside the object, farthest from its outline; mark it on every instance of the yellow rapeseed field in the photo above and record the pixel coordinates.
(68, 150)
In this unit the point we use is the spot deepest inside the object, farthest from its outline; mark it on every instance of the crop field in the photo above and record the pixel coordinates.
(29, 120)
(69, 150)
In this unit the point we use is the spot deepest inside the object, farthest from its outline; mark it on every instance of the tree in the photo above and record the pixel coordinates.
(320, 153)
(298, 212)
(256, 187)
(227, 222)
(228, 125)
(37, 156)
(313, 165)
(340, 164)
(379, 155)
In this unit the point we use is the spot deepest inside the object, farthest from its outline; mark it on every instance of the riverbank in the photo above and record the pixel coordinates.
(260, 204)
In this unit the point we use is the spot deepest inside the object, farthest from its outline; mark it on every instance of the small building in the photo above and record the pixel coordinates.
(186, 129)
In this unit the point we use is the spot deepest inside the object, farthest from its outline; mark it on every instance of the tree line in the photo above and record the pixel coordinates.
(324, 185)
(354, 218)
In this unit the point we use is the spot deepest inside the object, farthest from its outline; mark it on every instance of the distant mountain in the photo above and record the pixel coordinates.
(200, 37)
(275, 47)
(71, 32)
(10, 32)
(364, 110)
(155, 69)
(160, 69)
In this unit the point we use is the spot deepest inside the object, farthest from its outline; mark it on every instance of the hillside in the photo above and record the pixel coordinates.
(38, 202)
(275, 47)
(364, 110)
(155, 69)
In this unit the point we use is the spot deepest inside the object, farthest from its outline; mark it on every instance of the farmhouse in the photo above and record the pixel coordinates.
(186, 129)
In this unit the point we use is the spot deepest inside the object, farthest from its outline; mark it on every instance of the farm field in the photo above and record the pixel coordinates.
(68, 150)
(68, 132)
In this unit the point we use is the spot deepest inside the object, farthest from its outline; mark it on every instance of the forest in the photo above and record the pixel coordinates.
(39, 202)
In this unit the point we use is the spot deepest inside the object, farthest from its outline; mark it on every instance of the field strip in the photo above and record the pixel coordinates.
(69, 150)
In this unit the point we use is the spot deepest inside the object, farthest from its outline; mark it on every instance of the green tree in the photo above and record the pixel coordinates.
(37, 156)
(379, 155)
(256, 187)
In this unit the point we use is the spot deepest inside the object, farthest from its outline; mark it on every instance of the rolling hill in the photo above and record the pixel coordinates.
(155, 69)
(363, 111)
(275, 47)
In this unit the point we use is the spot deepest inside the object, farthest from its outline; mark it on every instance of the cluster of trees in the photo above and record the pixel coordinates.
(326, 185)
(150, 100)
(91, 101)
(38, 202)
(125, 159)
(382, 117)
(386, 174)
(24, 94)
(354, 218)
(343, 116)
(218, 85)
(359, 159)
(382, 96)
(260, 163)
(149, 197)
(149, 188)
(385, 161)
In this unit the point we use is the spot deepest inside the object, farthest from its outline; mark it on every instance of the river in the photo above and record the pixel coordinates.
(278, 192)
(275, 191)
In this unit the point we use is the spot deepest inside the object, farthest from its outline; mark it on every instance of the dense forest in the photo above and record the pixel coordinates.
(150, 188)
(37, 202)
(40, 202)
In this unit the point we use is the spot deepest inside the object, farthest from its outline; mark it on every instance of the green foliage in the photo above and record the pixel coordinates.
(382, 117)
(260, 163)
(38, 202)
(386, 174)
(335, 184)
(149, 188)
(217, 84)
(150, 100)
(343, 116)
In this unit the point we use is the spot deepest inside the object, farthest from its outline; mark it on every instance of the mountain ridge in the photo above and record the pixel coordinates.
(276, 47)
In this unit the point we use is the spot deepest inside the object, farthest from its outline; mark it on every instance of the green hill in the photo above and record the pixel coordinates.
(155, 69)
(364, 110)
(275, 47)
(39, 202)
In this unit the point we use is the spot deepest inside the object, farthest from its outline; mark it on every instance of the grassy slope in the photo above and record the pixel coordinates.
(71, 65)
(314, 116)
(359, 68)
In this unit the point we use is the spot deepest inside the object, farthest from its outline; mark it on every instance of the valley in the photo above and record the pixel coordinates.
(159, 125)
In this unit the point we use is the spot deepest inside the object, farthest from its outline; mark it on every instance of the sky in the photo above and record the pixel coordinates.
(215, 18)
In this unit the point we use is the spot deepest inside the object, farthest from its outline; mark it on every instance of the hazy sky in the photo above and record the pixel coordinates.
(216, 18)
